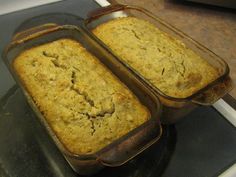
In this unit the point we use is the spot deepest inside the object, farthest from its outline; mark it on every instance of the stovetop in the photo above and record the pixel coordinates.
(202, 145)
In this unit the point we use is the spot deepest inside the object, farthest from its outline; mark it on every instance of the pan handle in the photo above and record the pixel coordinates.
(214, 93)
(131, 146)
(105, 10)
(34, 32)
(45, 23)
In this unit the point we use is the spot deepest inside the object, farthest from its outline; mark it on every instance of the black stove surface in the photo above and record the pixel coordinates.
(205, 141)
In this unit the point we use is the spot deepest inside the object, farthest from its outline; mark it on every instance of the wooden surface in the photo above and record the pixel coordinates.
(215, 28)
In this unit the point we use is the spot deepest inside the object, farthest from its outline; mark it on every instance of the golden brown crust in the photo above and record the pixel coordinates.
(162, 60)
(83, 102)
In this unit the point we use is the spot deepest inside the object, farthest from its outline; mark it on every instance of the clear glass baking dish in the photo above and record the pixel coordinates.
(174, 108)
(36, 32)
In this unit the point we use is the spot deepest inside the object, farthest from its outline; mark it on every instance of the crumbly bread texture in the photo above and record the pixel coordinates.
(83, 102)
(162, 60)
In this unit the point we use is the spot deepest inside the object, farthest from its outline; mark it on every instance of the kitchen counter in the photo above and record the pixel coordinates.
(213, 27)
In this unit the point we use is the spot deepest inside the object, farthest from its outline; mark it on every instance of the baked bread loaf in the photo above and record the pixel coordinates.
(162, 60)
(83, 102)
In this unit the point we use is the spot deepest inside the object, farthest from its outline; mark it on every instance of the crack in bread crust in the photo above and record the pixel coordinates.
(161, 59)
(83, 102)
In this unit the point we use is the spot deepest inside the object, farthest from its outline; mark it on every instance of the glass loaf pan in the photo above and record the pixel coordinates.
(173, 108)
(47, 28)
